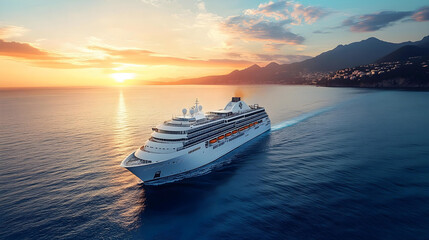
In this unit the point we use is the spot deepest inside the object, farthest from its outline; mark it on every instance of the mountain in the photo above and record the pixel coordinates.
(423, 43)
(343, 56)
(404, 53)
(273, 73)
(251, 75)
(353, 54)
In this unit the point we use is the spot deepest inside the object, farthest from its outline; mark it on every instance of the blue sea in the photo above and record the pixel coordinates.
(339, 163)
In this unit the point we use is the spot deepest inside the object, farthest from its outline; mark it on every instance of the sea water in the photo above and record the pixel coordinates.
(339, 163)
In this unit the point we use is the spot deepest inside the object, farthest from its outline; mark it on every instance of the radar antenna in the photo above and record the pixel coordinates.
(196, 105)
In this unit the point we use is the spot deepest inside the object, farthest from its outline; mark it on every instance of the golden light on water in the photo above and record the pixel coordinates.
(122, 212)
(121, 77)
(122, 133)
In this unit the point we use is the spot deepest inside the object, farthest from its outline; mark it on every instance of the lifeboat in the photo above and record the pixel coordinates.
(234, 132)
(251, 125)
(241, 129)
(220, 137)
(228, 134)
(213, 140)
(255, 123)
(246, 127)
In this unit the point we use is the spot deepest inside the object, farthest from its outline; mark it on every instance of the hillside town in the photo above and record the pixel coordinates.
(413, 69)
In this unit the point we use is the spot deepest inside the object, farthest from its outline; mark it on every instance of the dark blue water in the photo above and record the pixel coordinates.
(339, 164)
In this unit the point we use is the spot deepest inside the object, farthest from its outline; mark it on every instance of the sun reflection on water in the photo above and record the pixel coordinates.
(122, 129)
(131, 203)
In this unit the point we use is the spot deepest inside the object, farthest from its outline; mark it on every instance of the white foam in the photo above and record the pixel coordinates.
(299, 118)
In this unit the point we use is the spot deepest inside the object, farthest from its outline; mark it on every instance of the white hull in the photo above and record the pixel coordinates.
(196, 156)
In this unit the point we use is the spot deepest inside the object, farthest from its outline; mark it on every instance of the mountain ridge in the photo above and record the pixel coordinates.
(363, 52)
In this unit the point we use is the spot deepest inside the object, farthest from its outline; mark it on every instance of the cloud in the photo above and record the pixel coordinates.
(273, 47)
(201, 6)
(321, 32)
(23, 50)
(263, 58)
(421, 14)
(376, 21)
(111, 58)
(156, 3)
(282, 10)
(254, 29)
(41, 58)
(310, 14)
(11, 31)
(269, 22)
(282, 58)
(38, 57)
(58, 64)
(278, 10)
(145, 57)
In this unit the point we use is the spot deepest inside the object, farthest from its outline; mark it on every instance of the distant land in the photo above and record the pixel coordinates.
(412, 72)
(368, 63)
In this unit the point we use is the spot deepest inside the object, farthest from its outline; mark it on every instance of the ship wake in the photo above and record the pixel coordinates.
(300, 118)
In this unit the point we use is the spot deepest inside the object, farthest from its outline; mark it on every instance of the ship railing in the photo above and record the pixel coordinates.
(209, 119)
(209, 131)
(229, 129)
(176, 125)
(216, 117)
(133, 160)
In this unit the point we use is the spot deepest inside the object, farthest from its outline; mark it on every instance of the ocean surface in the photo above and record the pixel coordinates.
(339, 163)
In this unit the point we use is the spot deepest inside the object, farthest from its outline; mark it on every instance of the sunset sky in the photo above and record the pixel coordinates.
(87, 43)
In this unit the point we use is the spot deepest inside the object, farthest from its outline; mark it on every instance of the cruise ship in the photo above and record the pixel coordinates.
(195, 139)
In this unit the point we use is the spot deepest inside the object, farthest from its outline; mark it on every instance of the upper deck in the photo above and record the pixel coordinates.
(188, 130)
(181, 125)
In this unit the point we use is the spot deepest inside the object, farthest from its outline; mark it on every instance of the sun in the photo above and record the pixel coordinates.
(121, 77)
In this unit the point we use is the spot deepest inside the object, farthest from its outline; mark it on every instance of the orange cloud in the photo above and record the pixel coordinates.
(145, 57)
(23, 50)
(112, 57)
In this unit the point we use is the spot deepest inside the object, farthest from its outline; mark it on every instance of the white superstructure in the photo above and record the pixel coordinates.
(196, 139)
